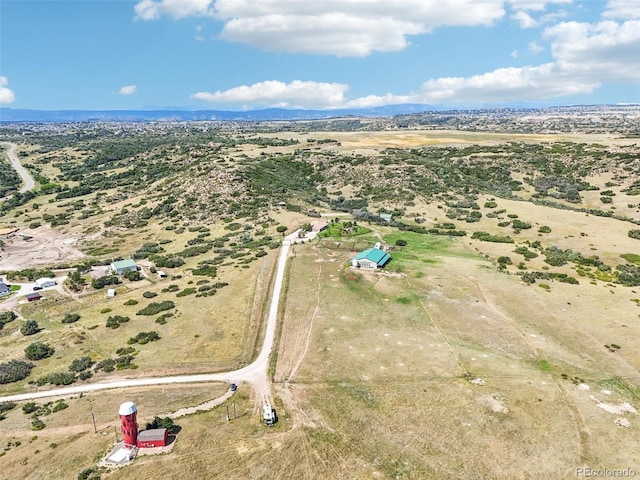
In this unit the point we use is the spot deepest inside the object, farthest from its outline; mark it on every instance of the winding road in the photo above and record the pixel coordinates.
(27, 179)
(255, 373)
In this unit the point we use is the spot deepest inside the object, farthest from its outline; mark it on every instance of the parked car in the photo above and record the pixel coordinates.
(36, 287)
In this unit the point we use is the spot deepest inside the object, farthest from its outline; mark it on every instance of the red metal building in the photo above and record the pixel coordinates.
(153, 438)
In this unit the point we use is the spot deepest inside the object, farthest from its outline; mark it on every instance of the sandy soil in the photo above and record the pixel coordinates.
(46, 246)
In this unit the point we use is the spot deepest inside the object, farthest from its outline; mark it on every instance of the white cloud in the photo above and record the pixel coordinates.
(622, 9)
(607, 50)
(505, 84)
(6, 94)
(535, 5)
(154, 9)
(127, 90)
(535, 48)
(332, 27)
(339, 27)
(345, 27)
(295, 94)
(584, 56)
(524, 19)
(514, 54)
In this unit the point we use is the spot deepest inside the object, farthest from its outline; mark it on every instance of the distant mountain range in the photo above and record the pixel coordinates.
(171, 114)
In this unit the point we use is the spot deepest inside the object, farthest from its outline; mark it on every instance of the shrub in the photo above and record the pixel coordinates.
(6, 406)
(185, 292)
(71, 318)
(80, 364)
(125, 350)
(544, 229)
(144, 337)
(281, 228)
(38, 351)
(37, 424)
(59, 406)
(29, 327)
(487, 237)
(106, 365)
(14, 371)
(29, 407)
(115, 321)
(205, 270)
(164, 422)
(154, 308)
(57, 378)
(401, 243)
(528, 254)
(104, 281)
(149, 294)
(6, 317)
(131, 301)
(133, 275)
(634, 234)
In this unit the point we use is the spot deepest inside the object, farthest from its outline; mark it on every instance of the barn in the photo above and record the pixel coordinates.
(32, 297)
(371, 258)
(123, 266)
(156, 437)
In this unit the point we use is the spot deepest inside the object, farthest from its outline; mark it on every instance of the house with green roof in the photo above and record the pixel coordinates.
(371, 258)
(123, 266)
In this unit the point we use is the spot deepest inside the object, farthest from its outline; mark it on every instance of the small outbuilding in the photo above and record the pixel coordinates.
(157, 437)
(45, 282)
(123, 266)
(371, 258)
(319, 226)
(32, 297)
(111, 293)
(4, 288)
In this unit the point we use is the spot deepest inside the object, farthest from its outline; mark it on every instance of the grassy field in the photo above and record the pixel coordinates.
(444, 365)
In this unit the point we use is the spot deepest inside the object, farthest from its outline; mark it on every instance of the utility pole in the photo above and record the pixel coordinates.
(228, 413)
(234, 410)
(95, 429)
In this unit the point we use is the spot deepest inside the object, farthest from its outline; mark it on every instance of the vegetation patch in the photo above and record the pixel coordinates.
(156, 307)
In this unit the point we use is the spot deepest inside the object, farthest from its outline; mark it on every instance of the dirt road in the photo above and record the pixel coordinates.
(254, 373)
(27, 179)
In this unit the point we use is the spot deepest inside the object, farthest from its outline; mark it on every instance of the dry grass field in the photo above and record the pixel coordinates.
(442, 366)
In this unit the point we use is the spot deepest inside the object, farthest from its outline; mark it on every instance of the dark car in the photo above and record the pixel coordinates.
(234, 387)
(37, 288)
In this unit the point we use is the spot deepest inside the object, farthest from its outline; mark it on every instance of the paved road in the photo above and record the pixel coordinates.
(27, 179)
(255, 373)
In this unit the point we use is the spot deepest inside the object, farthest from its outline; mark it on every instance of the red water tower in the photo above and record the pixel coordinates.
(129, 424)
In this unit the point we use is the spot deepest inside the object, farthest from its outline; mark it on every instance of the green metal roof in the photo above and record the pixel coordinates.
(123, 264)
(375, 255)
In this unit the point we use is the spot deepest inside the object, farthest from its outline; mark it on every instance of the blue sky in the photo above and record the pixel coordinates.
(245, 54)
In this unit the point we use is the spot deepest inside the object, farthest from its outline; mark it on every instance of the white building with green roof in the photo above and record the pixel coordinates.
(372, 258)
(122, 266)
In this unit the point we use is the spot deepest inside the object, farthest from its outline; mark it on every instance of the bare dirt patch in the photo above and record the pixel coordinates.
(46, 246)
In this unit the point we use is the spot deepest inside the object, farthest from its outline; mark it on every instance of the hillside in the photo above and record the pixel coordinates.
(511, 296)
